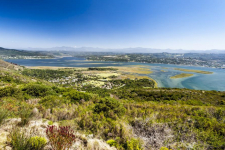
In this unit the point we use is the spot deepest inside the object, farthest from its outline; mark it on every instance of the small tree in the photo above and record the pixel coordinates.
(61, 138)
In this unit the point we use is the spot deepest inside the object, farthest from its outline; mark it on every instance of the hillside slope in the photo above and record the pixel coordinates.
(9, 66)
(134, 116)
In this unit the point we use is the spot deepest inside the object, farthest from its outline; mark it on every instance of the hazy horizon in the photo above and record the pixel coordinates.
(161, 24)
(75, 47)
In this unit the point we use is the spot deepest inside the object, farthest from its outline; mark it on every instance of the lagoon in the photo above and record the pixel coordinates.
(215, 81)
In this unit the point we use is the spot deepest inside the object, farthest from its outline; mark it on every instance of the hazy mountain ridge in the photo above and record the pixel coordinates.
(124, 50)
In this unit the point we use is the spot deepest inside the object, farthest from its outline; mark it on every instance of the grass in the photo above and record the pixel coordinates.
(18, 139)
(196, 71)
(3, 115)
(182, 75)
(25, 116)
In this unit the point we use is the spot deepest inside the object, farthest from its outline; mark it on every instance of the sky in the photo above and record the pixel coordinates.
(161, 24)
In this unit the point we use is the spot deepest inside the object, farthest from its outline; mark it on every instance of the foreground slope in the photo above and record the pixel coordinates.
(132, 116)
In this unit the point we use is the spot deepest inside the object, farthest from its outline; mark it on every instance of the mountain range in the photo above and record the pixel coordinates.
(124, 50)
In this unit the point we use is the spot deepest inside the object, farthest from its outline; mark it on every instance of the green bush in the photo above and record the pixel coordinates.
(50, 123)
(37, 143)
(110, 107)
(133, 144)
(164, 148)
(112, 142)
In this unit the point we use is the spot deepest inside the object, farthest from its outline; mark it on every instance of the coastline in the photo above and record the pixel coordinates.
(208, 82)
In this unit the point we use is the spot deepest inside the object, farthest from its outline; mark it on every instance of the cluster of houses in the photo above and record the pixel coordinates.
(110, 85)
(22, 57)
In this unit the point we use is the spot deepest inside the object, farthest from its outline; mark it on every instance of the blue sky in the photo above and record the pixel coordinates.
(174, 24)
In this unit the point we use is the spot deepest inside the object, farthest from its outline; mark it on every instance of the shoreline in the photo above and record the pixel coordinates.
(162, 63)
(85, 59)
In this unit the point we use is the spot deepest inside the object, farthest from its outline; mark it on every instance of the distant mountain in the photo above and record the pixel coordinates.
(124, 50)
(65, 48)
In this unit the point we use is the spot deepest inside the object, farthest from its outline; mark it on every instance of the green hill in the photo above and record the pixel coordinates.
(15, 53)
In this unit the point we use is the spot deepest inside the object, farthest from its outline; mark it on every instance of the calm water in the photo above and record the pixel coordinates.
(215, 81)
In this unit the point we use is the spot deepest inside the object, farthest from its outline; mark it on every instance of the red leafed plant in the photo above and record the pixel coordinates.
(61, 138)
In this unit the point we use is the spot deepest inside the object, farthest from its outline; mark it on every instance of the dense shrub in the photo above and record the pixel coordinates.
(46, 74)
(110, 107)
(102, 69)
(52, 101)
(10, 92)
(96, 90)
(9, 79)
(38, 90)
(76, 96)
(140, 83)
